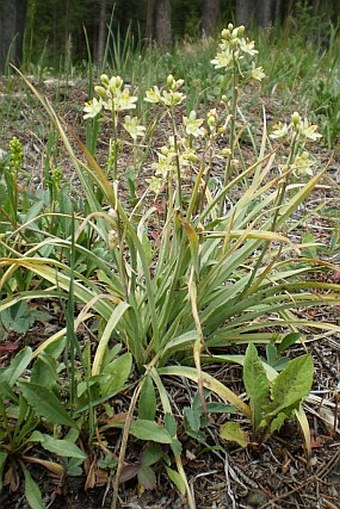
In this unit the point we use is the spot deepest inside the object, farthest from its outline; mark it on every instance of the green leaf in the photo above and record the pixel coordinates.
(146, 477)
(147, 400)
(256, 384)
(278, 421)
(63, 448)
(7, 392)
(17, 317)
(192, 419)
(3, 458)
(33, 211)
(271, 354)
(17, 366)
(176, 479)
(289, 340)
(170, 424)
(149, 430)
(119, 371)
(73, 467)
(176, 447)
(36, 436)
(32, 492)
(151, 454)
(44, 371)
(90, 382)
(215, 407)
(292, 385)
(46, 404)
(231, 431)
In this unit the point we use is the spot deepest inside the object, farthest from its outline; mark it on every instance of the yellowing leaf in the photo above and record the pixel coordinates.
(232, 432)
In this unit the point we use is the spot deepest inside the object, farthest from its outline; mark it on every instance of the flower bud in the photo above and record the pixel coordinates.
(101, 91)
(240, 31)
(104, 79)
(225, 152)
(296, 119)
(170, 81)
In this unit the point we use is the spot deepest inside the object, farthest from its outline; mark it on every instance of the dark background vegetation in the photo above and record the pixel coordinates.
(50, 31)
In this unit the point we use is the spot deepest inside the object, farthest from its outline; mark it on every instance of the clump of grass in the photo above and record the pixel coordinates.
(195, 257)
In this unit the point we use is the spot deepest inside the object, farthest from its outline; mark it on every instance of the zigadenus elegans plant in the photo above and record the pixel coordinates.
(217, 268)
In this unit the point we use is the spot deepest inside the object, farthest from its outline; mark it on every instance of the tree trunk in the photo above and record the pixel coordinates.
(163, 23)
(245, 9)
(12, 25)
(265, 12)
(150, 31)
(100, 49)
(278, 12)
(211, 11)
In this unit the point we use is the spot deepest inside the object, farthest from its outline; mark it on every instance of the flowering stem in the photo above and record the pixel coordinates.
(283, 187)
(206, 178)
(232, 128)
(115, 145)
(178, 167)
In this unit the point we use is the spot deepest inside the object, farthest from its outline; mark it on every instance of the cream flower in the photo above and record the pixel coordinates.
(153, 95)
(132, 126)
(92, 108)
(257, 73)
(193, 125)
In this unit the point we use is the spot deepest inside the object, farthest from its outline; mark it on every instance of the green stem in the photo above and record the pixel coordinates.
(178, 167)
(115, 144)
(232, 136)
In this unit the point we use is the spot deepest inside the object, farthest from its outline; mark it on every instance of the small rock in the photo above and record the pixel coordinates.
(3, 154)
(256, 498)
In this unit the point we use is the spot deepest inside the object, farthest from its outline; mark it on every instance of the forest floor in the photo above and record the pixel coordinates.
(273, 475)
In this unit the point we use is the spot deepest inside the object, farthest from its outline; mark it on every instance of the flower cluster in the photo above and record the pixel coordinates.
(297, 133)
(17, 154)
(168, 158)
(184, 152)
(298, 128)
(303, 165)
(112, 96)
(233, 49)
(168, 98)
